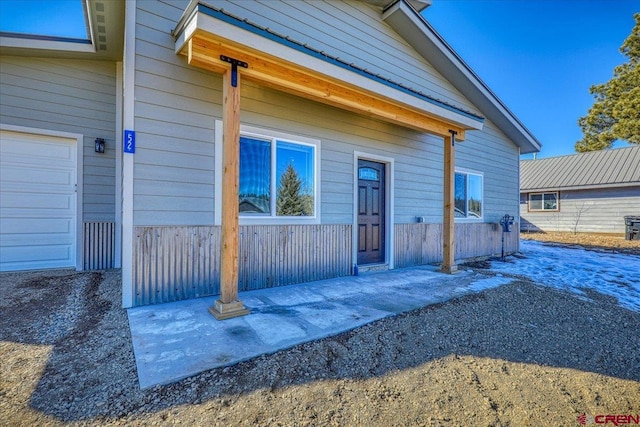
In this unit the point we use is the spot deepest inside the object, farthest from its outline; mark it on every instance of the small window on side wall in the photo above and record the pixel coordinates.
(543, 202)
(468, 195)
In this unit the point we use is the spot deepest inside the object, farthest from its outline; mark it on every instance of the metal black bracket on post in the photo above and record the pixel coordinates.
(234, 68)
(453, 137)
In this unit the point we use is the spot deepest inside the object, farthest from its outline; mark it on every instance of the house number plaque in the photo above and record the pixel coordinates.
(129, 141)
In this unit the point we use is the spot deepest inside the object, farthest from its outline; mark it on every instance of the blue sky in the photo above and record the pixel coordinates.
(59, 18)
(539, 56)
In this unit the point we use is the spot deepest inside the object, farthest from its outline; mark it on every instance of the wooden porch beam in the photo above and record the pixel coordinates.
(204, 50)
(448, 218)
(228, 305)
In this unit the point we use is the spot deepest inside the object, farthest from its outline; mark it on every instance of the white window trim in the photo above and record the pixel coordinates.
(557, 209)
(473, 172)
(271, 135)
(389, 207)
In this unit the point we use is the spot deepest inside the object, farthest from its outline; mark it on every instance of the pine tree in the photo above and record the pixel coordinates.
(615, 113)
(291, 201)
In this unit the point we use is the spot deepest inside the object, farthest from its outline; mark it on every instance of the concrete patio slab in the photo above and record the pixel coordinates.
(175, 340)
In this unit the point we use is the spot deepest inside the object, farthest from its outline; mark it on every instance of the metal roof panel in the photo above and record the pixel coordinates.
(596, 168)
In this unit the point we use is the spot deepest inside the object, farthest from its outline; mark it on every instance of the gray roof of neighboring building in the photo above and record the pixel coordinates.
(596, 169)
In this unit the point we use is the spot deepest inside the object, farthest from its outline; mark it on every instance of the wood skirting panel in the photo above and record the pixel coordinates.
(275, 255)
(98, 245)
(176, 263)
(418, 243)
(180, 262)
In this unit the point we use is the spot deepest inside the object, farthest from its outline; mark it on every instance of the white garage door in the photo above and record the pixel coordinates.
(37, 201)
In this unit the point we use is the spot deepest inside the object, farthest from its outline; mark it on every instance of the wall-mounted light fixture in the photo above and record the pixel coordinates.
(99, 145)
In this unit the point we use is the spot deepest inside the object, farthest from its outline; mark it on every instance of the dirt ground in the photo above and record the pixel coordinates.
(517, 355)
(602, 241)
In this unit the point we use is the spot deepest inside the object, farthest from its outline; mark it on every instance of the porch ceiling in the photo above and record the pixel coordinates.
(203, 37)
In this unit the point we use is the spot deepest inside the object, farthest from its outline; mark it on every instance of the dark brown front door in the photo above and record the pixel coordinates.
(371, 217)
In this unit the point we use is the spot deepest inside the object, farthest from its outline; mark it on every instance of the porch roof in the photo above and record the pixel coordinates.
(204, 33)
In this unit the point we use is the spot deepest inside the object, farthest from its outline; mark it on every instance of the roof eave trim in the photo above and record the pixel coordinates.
(580, 187)
(31, 41)
(524, 138)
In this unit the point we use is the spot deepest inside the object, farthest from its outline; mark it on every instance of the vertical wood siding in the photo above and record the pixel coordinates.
(276, 255)
(98, 245)
(175, 263)
(418, 244)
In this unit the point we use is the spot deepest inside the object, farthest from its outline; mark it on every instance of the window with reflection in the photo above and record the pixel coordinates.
(255, 176)
(468, 195)
(277, 177)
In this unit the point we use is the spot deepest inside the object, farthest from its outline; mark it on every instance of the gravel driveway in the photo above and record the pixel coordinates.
(520, 354)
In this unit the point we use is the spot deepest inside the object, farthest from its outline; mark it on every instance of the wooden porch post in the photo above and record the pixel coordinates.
(228, 305)
(448, 220)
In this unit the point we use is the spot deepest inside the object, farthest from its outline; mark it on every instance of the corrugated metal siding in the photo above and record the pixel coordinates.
(596, 168)
(176, 263)
(68, 96)
(418, 244)
(599, 211)
(98, 245)
(276, 255)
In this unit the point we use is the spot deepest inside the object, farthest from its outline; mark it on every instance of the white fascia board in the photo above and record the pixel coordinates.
(418, 5)
(204, 22)
(417, 31)
(46, 44)
(187, 25)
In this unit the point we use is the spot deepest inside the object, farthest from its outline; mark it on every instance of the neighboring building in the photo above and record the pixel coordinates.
(348, 105)
(587, 192)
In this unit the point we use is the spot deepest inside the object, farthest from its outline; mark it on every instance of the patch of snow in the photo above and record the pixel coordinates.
(576, 269)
